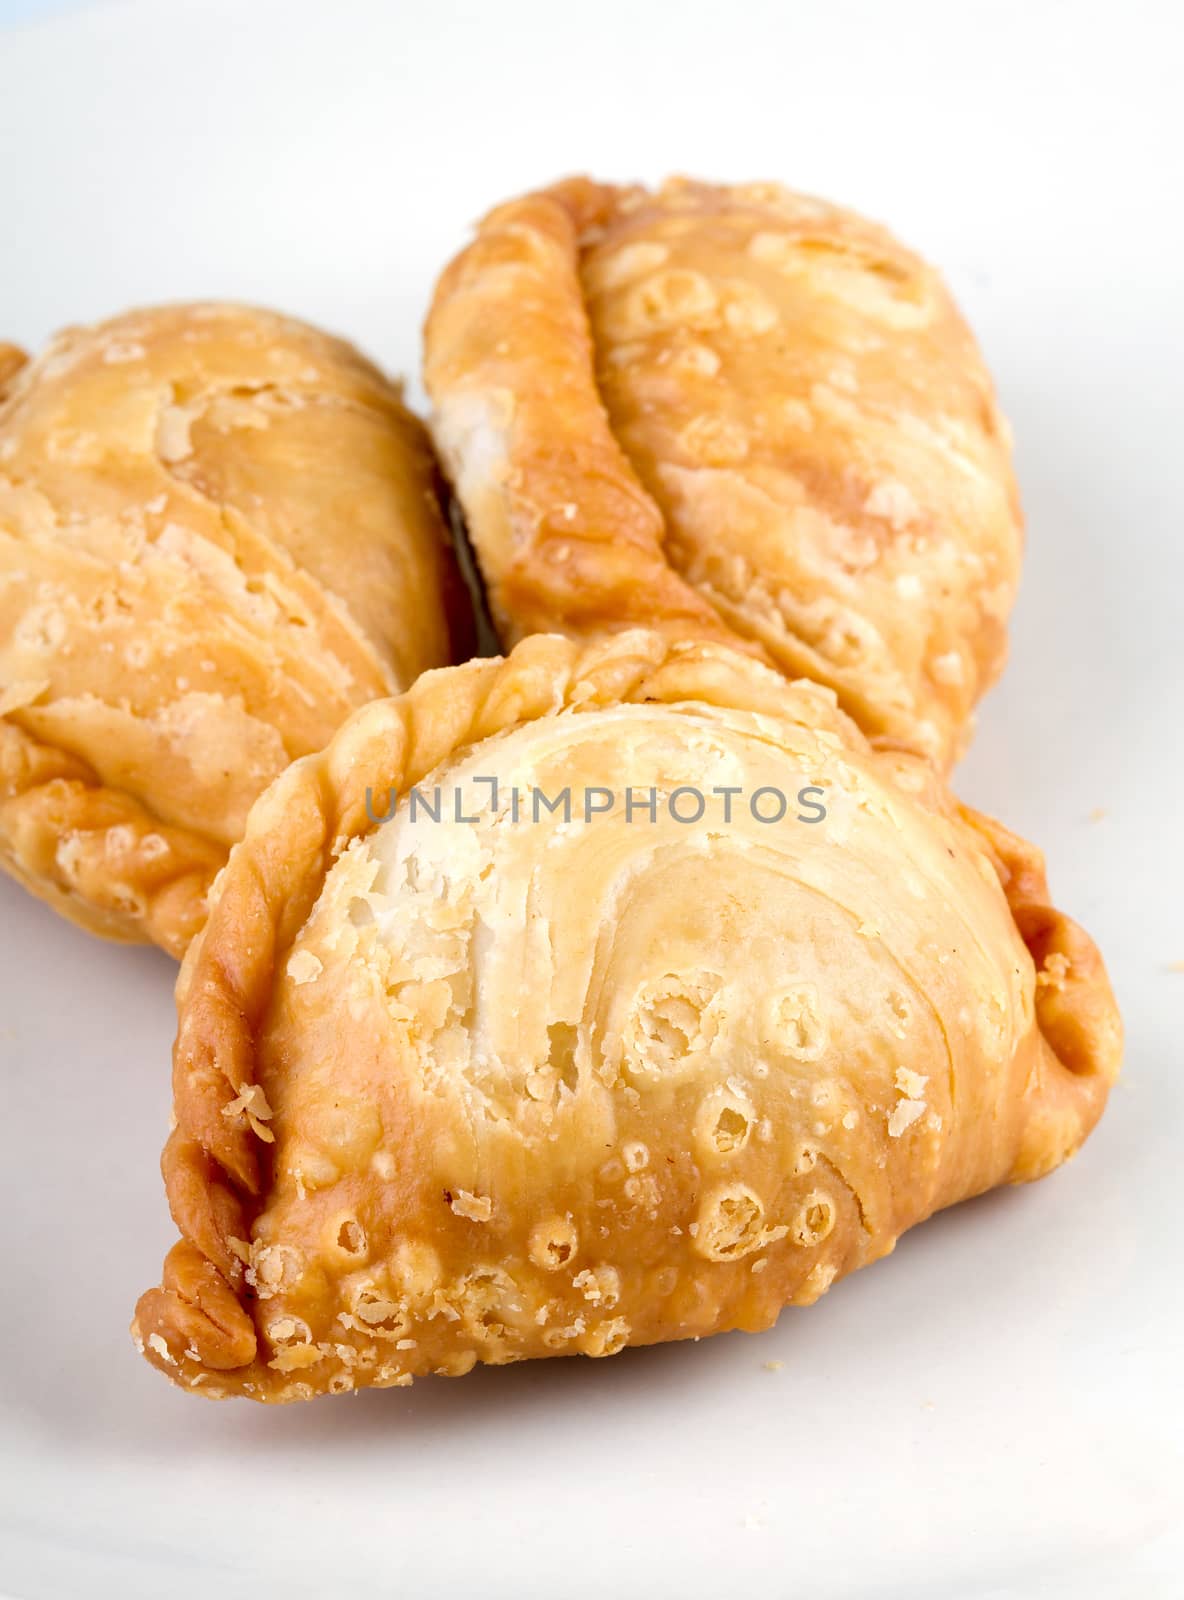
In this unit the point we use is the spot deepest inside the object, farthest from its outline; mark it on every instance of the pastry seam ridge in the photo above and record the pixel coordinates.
(531, 592)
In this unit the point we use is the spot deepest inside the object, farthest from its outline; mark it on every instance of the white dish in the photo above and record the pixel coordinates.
(996, 1411)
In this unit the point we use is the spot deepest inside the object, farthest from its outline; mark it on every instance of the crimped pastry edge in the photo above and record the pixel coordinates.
(126, 875)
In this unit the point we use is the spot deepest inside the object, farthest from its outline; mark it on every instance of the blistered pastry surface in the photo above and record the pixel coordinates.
(776, 405)
(219, 534)
(455, 1091)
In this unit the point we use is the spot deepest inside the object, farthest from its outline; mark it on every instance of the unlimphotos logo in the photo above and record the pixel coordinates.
(686, 804)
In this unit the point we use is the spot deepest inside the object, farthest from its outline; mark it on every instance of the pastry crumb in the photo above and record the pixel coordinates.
(304, 967)
(157, 1344)
(911, 1084)
(904, 1114)
(252, 1102)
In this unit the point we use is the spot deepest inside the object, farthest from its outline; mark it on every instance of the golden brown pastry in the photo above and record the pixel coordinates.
(219, 534)
(527, 1084)
(732, 411)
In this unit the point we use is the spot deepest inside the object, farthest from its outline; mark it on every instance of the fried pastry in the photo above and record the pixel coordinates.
(494, 1079)
(732, 411)
(220, 533)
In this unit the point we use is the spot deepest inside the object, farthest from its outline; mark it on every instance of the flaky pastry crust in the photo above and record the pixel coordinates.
(738, 411)
(220, 533)
(480, 1089)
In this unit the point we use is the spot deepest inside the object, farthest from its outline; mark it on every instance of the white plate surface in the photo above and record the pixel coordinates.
(996, 1410)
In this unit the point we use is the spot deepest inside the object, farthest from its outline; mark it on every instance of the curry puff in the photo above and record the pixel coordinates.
(495, 1079)
(220, 533)
(732, 412)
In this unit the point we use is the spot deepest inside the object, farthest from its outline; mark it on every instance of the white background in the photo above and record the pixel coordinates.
(995, 1411)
